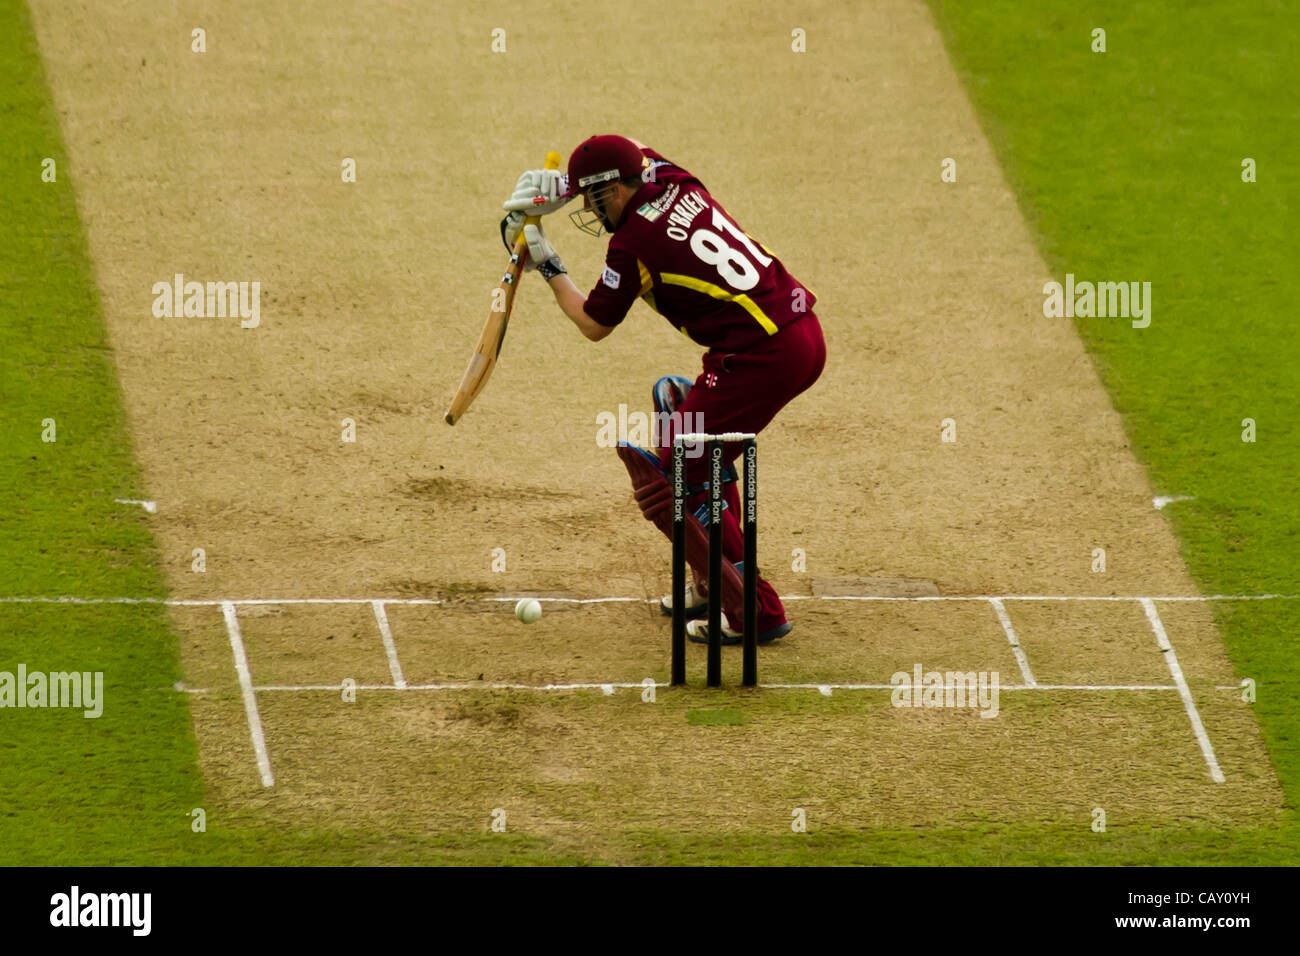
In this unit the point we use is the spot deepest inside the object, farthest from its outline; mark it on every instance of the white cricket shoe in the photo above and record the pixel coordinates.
(698, 631)
(697, 605)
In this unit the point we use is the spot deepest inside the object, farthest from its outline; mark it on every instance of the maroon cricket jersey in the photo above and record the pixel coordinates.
(677, 248)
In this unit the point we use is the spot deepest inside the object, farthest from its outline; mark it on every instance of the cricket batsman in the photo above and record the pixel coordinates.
(674, 246)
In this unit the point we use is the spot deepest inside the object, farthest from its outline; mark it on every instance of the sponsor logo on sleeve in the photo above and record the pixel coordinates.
(661, 203)
(611, 278)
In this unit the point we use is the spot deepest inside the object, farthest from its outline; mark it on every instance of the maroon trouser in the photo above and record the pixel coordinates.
(742, 392)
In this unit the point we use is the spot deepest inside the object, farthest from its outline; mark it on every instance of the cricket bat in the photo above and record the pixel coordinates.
(484, 359)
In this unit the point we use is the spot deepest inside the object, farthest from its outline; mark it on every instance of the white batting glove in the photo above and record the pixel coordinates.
(539, 247)
(541, 254)
(548, 185)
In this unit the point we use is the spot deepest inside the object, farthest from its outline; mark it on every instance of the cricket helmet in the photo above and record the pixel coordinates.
(595, 169)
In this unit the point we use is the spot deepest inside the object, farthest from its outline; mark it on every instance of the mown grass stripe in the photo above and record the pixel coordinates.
(118, 788)
(1128, 164)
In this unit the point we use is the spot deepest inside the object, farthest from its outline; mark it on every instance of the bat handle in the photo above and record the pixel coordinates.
(553, 160)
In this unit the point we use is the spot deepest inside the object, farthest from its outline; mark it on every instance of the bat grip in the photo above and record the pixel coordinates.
(553, 160)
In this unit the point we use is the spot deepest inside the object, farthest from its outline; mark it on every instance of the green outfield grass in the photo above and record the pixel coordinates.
(1127, 165)
(116, 788)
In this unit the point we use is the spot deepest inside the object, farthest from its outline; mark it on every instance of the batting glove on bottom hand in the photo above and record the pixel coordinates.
(541, 254)
(539, 247)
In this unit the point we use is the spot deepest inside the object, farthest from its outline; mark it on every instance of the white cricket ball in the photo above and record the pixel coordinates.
(528, 610)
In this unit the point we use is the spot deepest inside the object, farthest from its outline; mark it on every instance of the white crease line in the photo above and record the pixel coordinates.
(603, 685)
(1158, 628)
(274, 601)
(1016, 649)
(464, 685)
(569, 600)
(1001, 687)
(1095, 687)
(240, 602)
(394, 668)
(250, 699)
(1042, 597)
